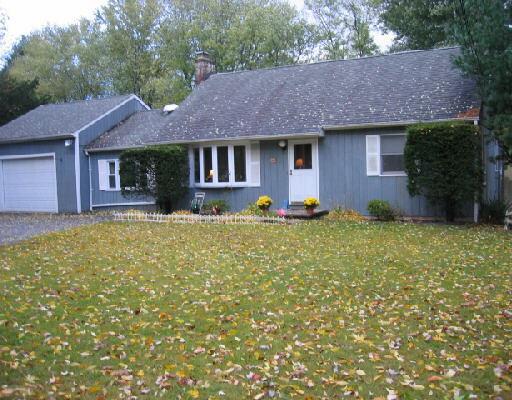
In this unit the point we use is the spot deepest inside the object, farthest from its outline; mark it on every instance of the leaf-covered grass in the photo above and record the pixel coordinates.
(316, 310)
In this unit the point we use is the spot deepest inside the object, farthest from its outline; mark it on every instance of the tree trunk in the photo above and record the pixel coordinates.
(449, 208)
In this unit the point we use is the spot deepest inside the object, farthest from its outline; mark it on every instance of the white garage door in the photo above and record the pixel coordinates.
(28, 184)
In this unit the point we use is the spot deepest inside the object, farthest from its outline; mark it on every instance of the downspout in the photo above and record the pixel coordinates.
(476, 205)
(77, 174)
(90, 179)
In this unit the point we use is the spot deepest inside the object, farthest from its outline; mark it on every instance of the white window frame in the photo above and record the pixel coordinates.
(381, 173)
(393, 173)
(231, 165)
(116, 174)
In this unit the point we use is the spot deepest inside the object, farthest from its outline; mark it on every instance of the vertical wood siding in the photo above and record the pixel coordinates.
(91, 133)
(100, 197)
(343, 179)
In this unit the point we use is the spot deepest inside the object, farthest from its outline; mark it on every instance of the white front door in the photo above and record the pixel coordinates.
(303, 169)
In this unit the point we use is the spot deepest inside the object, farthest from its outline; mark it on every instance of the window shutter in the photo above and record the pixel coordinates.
(372, 155)
(118, 176)
(103, 174)
(255, 163)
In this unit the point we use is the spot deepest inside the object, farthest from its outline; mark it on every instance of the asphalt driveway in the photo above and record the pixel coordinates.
(16, 227)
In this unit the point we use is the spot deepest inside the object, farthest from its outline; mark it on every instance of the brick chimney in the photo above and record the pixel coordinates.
(204, 67)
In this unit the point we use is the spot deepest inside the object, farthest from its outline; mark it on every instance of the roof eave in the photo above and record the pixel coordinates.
(38, 139)
(392, 124)
(234, 138)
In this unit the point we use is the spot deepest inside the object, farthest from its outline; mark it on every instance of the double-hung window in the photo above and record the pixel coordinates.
(385, 155)
(108, 174)
(225, 165)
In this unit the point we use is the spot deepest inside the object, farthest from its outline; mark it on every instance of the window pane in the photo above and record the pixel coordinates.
(197, 167)
(208, 171)
(240, 164)
(302, 156)
(392, 163)
(111, 168)
(222, 164)
(112, 181)
(392, 144)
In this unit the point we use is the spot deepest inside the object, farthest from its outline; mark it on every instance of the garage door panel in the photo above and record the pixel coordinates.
(29, 184)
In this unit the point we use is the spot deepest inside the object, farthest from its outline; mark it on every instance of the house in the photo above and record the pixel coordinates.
(334, 130)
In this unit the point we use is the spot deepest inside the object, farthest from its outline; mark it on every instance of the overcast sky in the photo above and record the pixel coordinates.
(26, 16)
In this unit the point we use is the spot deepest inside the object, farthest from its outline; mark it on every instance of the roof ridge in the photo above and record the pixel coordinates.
(399, 53)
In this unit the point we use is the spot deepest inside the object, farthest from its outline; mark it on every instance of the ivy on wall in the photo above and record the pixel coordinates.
(443, 162)
(158, 171)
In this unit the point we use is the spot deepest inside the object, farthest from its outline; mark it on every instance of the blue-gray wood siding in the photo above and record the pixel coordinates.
(92, 132)
(64, 163)
(273, 182)
(493, 168)
(342, 179)
(103, 197)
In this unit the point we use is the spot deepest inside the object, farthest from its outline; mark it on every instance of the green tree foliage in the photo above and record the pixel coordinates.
(343, 27)
(158, 171)
(67, 62)
(131, 40)
(17, 96)
(239, 34)
(484, 29)
(443, 163)
(418, 24)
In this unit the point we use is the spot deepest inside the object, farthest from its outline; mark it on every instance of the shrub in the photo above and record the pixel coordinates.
(381, 209)
(221, 205)
(443, 163)
(264, 202)
(344, 214)
(158, 171)
(493, 212)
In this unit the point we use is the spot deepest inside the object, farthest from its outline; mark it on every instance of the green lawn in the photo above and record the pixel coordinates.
(316, 310)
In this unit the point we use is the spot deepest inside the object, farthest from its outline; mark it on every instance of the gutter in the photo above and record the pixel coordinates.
(38, 139)
(230, 139)
(391, 124)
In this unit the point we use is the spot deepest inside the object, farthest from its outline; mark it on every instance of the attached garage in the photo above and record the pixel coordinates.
(28, 183)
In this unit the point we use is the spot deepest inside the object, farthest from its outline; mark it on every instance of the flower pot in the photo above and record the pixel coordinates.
(310, 210)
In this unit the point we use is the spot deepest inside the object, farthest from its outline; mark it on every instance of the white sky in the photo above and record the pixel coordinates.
(25, 16)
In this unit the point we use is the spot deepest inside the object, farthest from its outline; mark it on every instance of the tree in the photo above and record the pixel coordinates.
(68, 62)
(16, 97)
(158, 171)
(131, 41)
(484, 29)
(239, 34)
(418, 24)
(343, 27)
(443, 162)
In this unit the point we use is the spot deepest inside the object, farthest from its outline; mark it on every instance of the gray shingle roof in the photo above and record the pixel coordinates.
(134, 130)
(409, 86)
(57, 120)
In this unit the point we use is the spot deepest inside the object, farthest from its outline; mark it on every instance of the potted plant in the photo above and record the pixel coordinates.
(310, 204)
(264, 203)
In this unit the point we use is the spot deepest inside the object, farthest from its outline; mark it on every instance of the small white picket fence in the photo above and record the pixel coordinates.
(198, 219)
